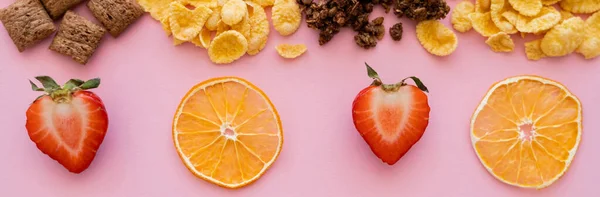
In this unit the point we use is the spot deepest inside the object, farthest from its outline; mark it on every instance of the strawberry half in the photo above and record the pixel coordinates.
(67, 123)
(391, 118)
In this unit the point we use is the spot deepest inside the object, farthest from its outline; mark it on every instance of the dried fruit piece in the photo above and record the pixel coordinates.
(286, 17)
(483, 24)
(580, 6)
(564, 38)
(497, 8)
(590, 48)
(527, 7)
(213, 21)
(233, 12)
(460, 16)
(263, 3)
(185, 23)
(158, 9)
(436, 38)
(227, 47)
(290, 51)
(482, 6)
(500, 42)
(259, 30)
(546, 19)
(533, 50)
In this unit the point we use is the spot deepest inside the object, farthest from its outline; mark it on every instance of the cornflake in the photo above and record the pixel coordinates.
(500, 42)
(483, 24)
(564, 38)
(590, 48)
(286, 17)
(233, 12)
(227, 47)
(436, 38)
(290, 51)
(527, 7)
(185, 23)
(460, 16)
(546, 19)
(580, 6)
(498, 8)
(259, 31)
(533, 50)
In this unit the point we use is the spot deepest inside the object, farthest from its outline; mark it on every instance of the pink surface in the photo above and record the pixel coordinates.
(144, 77)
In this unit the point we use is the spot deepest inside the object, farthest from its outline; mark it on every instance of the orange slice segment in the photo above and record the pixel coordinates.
(227, 131)
(526, 131)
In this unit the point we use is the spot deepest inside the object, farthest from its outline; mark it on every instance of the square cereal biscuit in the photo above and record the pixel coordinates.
(115, 15)
(27, 23)
(77, 37)
(56, 8)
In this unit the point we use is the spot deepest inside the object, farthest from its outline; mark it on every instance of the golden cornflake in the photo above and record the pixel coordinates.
(483, 24)
(213, 21)
(533, 50)
(263, 3)
(498, 8)
(546, 19)
(259, 31)
(580, 6)
(286, 16)
(564, 38)
(227, 47)
(290, 51)
(436, 38)
(482, 6)
(527, 7)
(233, 12)
(185, 23)
(243, 27)
(549, 2)
(198, 3)
(460, 16)
(500, 42)
(590, 48)
(564, 15)
(158, 9)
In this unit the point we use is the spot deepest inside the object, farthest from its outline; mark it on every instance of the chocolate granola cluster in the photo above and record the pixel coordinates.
(329, 16)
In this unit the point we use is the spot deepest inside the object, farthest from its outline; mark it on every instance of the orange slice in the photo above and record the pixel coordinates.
(526, 131)
(227, 132)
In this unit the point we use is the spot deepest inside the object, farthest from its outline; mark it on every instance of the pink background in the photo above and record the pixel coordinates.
(144, 77)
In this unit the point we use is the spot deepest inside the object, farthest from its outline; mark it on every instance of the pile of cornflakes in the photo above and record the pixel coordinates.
(228, 29)
(562, 32)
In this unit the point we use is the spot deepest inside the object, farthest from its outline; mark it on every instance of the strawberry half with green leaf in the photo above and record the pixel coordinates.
(391, 118)
(67, 123)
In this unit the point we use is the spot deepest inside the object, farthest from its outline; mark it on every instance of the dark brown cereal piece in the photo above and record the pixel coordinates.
(56, 8)
(77, 37)
(396, 32)
(115, 15)
(420, 10)
(27, 23)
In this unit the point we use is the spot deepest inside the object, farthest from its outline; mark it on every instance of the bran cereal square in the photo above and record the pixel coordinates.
(56, 8)
(77, 37)
(115, 15)
(27, 23)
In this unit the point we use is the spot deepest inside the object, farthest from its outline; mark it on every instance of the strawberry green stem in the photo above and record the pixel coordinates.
(63, 94)
(393, 87)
